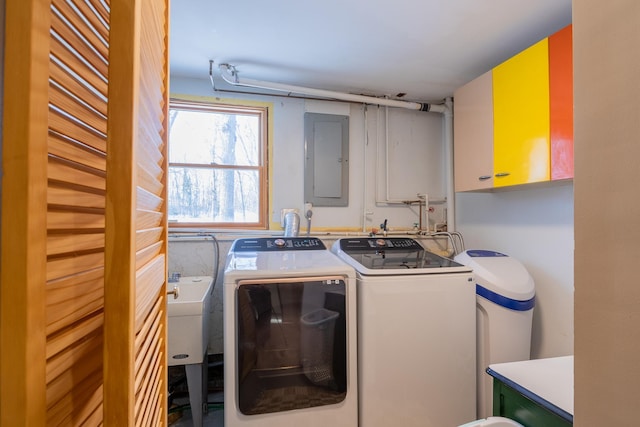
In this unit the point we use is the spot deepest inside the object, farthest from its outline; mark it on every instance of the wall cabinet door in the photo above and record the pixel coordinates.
(561, 103)
(521, 117)
(473, 133)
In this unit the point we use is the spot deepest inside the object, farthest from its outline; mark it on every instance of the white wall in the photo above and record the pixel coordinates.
(415, 152)
(535, 226)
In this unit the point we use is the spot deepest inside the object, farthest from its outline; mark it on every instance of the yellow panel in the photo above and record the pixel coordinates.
(521, 117)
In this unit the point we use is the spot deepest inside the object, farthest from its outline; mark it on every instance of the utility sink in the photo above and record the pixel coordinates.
(188, 335)
(188, 332)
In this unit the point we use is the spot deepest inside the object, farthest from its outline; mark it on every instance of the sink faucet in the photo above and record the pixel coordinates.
(383, 226)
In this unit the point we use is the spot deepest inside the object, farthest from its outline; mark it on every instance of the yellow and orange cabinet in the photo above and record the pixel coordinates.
(514, 124)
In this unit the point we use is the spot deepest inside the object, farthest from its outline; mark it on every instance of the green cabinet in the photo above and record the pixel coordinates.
(509, 403)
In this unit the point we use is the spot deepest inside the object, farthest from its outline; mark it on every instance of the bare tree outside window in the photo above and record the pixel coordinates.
(217, 167)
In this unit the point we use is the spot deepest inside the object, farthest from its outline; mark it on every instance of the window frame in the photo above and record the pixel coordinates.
(262, 111)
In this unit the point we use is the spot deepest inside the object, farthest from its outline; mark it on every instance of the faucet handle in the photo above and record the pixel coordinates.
(175, 292)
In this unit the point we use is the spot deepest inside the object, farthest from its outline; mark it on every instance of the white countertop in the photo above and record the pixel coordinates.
(551, 379)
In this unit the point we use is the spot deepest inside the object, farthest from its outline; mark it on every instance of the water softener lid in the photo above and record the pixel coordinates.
(499, 273)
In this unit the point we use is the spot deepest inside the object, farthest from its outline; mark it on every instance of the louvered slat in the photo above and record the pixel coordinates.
(147, 356)
(73, 355)
(149, 182)
(148, 201)
(95, 418)
(63, 267)
(57, 343)
(149, 283)
(68, 313)
(148, 154)
(76, 406)
(151, 176)
(148, 219)
(75, 63)
(79, 88)
(147, 254)
(67, 101)
(75, 43)
(75, 130)
(59, 387)
(69, 243)
(149, 393)
(66, 290)
(148, 236)
(75, 220)
(65, 147)
(149, 105)
(98, 13)
(90, 29)
(148, 365)
(72, 197)
(75, 174)
(149, 328)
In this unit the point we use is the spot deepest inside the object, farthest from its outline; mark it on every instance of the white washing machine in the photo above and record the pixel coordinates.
(416, 334)
(289, 335)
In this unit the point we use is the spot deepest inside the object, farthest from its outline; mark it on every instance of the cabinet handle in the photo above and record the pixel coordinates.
(484, 177)
(502, 174)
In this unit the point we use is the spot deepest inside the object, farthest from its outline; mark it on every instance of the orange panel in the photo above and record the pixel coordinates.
(561, 103)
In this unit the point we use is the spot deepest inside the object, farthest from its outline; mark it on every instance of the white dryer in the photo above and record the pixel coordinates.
(416, 334)
(289, 335)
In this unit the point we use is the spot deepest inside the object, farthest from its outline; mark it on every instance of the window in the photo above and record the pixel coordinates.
(217, 165)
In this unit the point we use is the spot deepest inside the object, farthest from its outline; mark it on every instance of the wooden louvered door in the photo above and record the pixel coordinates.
(135, 294)
(82, 298)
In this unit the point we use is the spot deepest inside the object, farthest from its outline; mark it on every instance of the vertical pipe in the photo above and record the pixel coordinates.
(448, 153)
(386, 153)
(364, 168)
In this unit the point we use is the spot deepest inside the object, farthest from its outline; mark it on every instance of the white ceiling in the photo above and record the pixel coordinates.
(424, 48)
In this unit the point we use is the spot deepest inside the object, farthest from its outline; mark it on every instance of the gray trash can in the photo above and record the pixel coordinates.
(316, 347)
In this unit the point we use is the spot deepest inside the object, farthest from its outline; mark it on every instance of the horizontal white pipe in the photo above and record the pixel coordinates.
(230, 76)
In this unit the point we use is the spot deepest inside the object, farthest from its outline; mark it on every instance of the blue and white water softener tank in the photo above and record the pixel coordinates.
(505, 298)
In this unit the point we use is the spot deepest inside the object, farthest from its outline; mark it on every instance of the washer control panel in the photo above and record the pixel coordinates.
(378, 243)
(278, 244)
